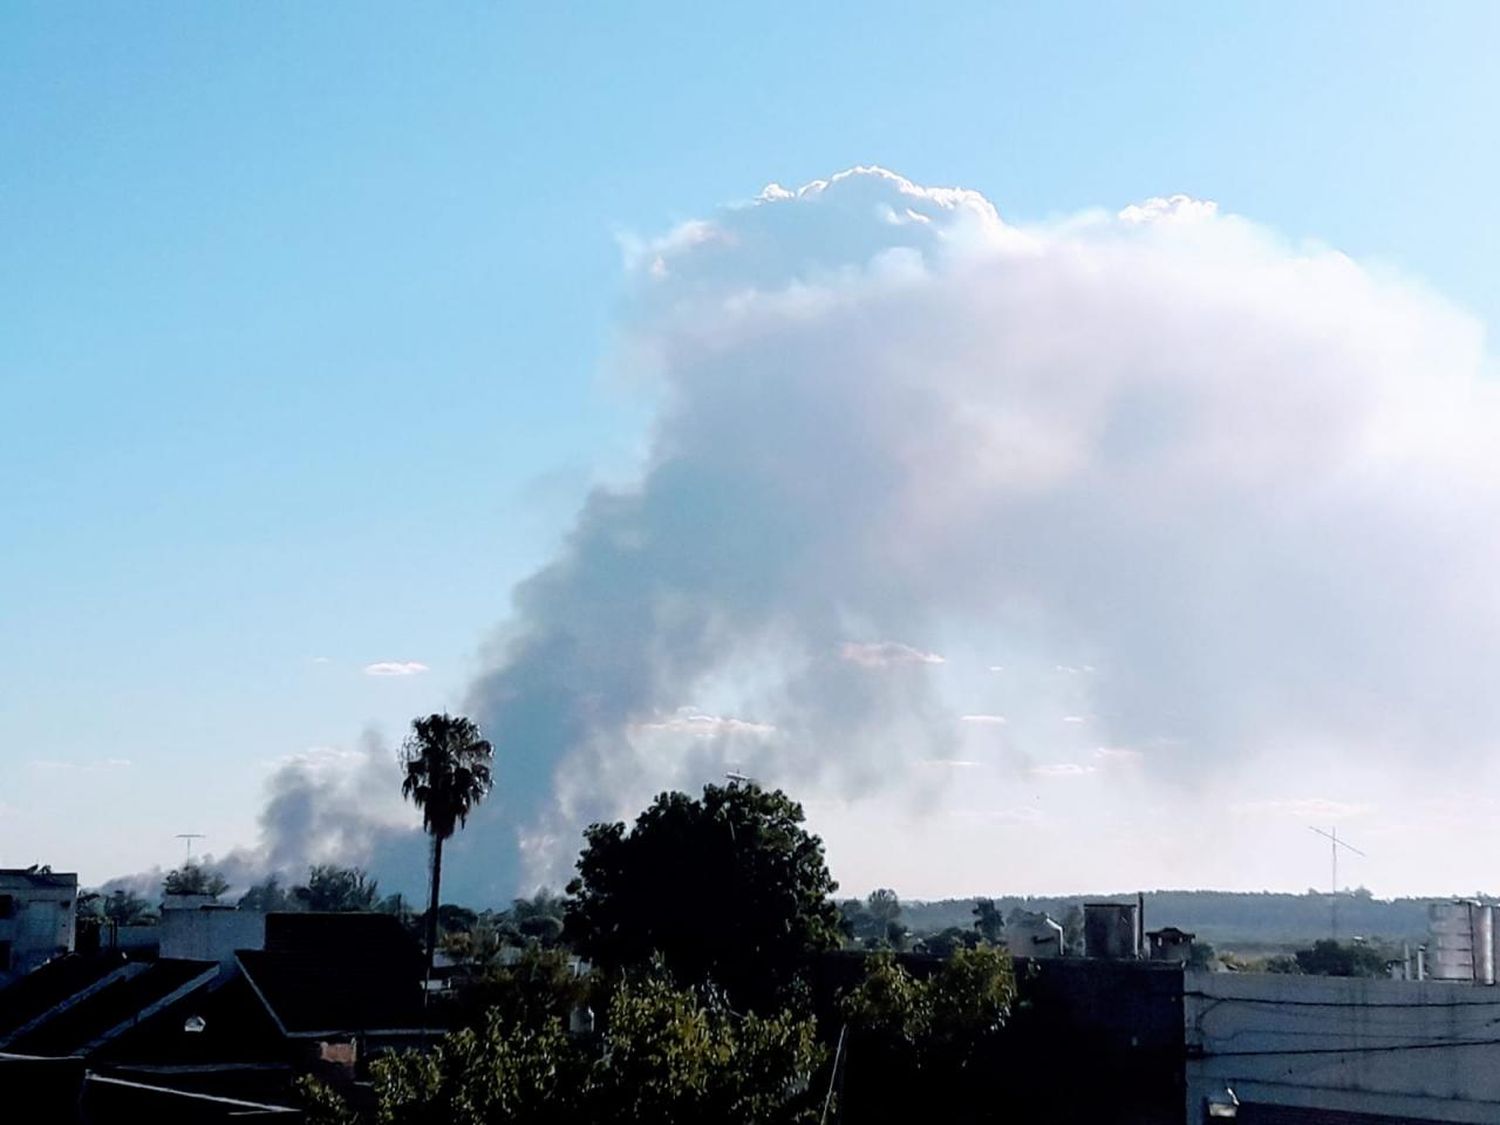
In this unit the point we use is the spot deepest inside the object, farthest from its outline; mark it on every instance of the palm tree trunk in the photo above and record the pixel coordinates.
(432, 906)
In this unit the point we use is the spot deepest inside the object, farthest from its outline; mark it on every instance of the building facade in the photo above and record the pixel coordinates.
(37, 911)
(1288, 1049)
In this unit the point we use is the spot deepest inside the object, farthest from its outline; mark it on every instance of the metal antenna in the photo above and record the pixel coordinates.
(1334, 844)
(188, 838)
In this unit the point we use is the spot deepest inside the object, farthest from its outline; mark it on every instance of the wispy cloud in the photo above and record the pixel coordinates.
(1117, 755)
(885, 654)
(701, 725)
(1074, 719)
(395, 668)
(1063, 770)
(983, 720)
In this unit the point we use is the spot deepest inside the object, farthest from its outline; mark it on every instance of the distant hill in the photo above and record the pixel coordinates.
(1224, 918)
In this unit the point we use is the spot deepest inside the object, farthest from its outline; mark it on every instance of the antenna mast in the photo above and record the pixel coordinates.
(188, 838)
(1334, 844)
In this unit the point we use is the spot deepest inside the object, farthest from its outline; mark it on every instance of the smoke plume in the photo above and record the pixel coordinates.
(1158, 475)
(948, 514)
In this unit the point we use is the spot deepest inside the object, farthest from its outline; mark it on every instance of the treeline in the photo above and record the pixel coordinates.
(690, 982)
(1224, 918)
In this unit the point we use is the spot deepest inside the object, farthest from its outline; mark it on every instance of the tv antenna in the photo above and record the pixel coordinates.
(1334, 844)
(736, 776)
(188, 838)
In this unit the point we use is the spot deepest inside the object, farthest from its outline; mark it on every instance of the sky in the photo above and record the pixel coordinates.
(318, 331)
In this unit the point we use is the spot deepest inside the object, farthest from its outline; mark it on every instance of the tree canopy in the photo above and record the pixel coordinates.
(446, 771)
(925, 1049)
(337, 889)
(446, 768)
(1328, 958)
(667, 1054)
(728, 888)
(194, 879)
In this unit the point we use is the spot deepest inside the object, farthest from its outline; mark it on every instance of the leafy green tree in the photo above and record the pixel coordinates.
(884, 905)
(1072, 924)
(883, 908)
(477, 951)
(194, 879)
(854, 921)
(126, 908)
(666, 1054)
(266, 897)
(497, 1072)
(1201, 955)
(1328, 958)
(454, 919)
(539, 918)
(988, 921)
(342, 890)
(541, 984)
(945, 943)
(927, 1049)
(447, 766)
(640, 892)
(672, 1056)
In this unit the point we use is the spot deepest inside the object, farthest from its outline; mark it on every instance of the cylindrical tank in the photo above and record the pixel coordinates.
(1111, 931)
(1461, 942)
(1483, 940)
(1034, 935)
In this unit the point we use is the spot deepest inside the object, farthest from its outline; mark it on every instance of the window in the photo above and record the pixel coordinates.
(7, 906)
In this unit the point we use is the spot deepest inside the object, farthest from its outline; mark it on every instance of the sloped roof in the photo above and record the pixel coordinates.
(77, 1027)
(50, 984)
(337, 974)
(236, 1030)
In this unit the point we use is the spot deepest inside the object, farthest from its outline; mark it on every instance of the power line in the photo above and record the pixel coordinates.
(1345, 1003)
(1444, 1044)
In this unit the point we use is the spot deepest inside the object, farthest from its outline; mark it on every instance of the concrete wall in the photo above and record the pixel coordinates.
(41, 919)
(1422, 1051)
(210, 933)
(138, 941)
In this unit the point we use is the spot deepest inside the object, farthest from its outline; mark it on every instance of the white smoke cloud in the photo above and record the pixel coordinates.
(1252, 481)
(884, 654)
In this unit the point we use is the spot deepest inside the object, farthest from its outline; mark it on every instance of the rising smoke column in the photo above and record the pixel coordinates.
(898, 436)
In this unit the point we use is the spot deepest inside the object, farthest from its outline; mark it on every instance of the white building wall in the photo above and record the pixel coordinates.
(210, 933)
(41, 921)
(1422, 1050)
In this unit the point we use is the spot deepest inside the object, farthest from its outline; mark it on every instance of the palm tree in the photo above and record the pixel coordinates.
(447, 766)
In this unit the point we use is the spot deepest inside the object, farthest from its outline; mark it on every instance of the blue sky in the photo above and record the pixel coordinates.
(305, 310)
